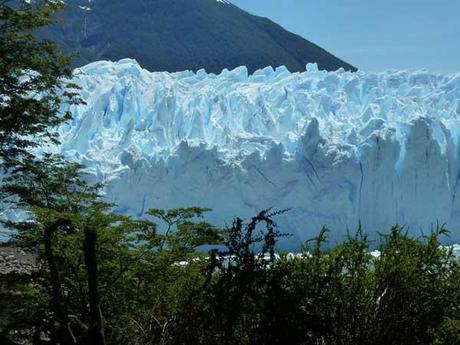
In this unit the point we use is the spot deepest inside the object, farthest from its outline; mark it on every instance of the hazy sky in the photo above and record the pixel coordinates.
(374, 34)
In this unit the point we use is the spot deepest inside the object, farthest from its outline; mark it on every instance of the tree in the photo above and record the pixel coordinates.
(34, 79)
(182, 234)
(64, 211)
(101, 265)
(237, 290)
(96, 328)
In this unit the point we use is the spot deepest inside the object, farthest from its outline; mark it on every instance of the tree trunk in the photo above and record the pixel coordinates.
(96, 326)
(64, 334)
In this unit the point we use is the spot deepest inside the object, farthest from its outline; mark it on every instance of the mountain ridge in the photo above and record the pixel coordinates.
(176, 35)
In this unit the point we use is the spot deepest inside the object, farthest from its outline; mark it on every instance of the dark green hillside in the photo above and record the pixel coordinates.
(176, 35)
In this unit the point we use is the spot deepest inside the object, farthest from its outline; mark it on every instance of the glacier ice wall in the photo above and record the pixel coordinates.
(335, 147)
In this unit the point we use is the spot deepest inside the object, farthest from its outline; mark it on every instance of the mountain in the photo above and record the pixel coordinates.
(335, 147)
(176, 35)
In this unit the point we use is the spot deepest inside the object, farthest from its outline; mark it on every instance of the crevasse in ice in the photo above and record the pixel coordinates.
(338, 148)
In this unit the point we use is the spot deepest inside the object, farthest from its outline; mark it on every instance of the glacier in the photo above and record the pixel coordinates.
(336, 148)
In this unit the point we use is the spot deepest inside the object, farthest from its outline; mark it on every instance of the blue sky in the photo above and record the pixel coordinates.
(374, 35)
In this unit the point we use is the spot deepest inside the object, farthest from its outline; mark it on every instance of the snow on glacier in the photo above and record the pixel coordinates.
(338, 148)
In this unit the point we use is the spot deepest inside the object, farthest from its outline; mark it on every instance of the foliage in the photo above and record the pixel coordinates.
(49, 189)
(134, 261)
(156, 288)
(181, 234)
(448, 333)
(32, 79)
(409, 294)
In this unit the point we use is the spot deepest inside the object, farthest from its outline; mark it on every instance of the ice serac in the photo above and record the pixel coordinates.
(335, 147)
